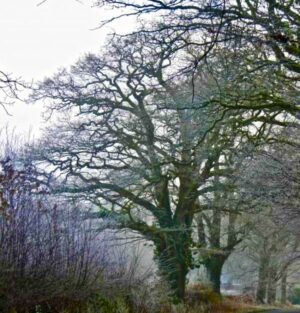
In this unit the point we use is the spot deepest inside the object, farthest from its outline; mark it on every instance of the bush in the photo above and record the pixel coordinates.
(201, 294)
(294, 297)
(47, 257)
(53, 259)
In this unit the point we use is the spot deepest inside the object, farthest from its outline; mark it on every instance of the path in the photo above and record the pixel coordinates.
(296, 310)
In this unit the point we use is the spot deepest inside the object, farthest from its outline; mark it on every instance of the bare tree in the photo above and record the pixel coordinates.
(270, 186)
(220, 227)
(274, 249)
(143, 143)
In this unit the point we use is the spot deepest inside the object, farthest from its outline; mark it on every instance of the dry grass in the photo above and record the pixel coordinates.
(202, 299)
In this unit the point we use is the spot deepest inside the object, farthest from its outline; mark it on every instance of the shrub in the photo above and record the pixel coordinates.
(294, 297)
(53, 259)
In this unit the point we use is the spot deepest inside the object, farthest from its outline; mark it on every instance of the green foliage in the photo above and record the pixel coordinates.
(294, 297)
(108, 305)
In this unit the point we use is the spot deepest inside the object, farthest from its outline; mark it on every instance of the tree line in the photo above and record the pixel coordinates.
(165, 130)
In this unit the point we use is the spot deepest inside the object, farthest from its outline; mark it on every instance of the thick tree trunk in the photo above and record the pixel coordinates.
(214, 266)
(174, 256)
(175, 273)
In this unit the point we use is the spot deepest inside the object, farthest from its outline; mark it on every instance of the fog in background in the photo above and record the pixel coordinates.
(39, 38)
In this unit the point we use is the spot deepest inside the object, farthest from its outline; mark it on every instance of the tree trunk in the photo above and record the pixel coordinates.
(214, 267)
(284, 288)
(181, 284)
(272, 295)
(214, 263)
(272, 285)
(262, 280)
(175, 271)
(174, 257)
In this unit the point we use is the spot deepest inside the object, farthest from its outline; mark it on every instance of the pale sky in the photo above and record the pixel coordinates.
(37, 40)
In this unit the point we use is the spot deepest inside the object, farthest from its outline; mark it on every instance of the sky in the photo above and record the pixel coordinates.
(37, 40)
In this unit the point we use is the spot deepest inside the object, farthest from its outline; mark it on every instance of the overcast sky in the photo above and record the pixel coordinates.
(37, 40)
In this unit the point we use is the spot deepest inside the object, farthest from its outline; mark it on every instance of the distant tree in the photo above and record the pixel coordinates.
(275, 170)
(220, 225)
(271, 188)
(274, 249)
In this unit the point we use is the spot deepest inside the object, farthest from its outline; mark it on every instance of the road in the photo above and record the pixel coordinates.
(296, 310)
